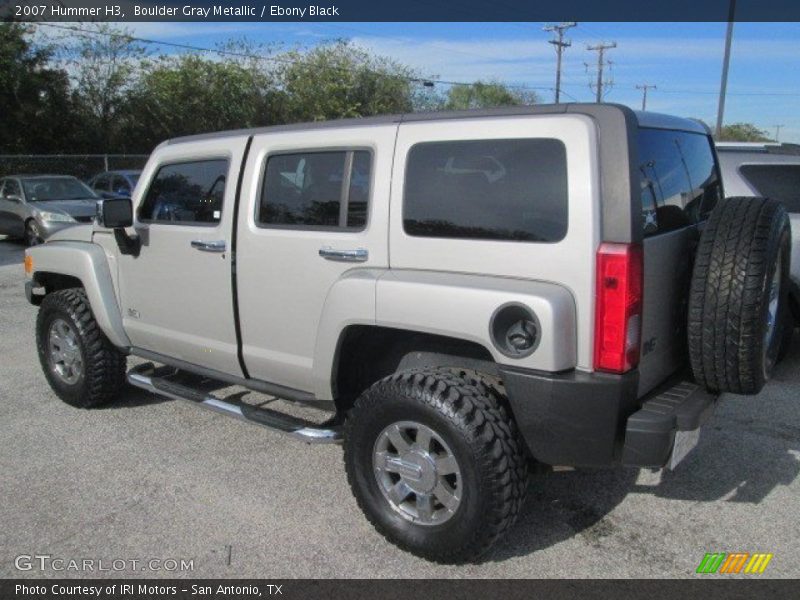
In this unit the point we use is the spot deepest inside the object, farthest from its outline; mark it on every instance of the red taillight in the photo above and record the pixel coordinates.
(618, 312)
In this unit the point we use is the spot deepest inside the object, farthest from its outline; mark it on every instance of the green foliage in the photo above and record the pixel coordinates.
(743, 132)
(191, 94)
(339, 80)
(117, 99)
(37, 112)
(486, 95)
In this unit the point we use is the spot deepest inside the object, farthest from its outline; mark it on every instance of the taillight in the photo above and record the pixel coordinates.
(618, 311)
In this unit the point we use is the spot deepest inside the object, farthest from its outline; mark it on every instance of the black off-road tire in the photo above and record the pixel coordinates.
(736, 260)
(104, 365)
(466, 411)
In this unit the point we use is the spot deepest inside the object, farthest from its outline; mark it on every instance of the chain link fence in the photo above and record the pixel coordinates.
(82, 166)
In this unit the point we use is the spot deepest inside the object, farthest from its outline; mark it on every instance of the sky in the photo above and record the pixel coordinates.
(684, 60)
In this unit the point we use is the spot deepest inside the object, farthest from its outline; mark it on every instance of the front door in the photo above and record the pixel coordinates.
(176, 296)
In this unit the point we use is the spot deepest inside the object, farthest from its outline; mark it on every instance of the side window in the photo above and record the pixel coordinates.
(100, 183)
(187, 193)
(12, 188)
(487, 189)
(780, 182)
(316, 189)
(678, 179)
(120, 185)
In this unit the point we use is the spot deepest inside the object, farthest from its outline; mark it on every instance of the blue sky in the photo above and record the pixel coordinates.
(683, 59)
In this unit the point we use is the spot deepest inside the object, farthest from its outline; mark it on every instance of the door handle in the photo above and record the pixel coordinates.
(204, 246)
(356, 255)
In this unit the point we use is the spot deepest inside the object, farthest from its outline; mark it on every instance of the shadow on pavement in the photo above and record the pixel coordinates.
(750, 446)
(12, 252)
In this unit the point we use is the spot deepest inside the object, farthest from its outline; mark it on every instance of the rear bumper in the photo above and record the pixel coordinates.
(596, 419)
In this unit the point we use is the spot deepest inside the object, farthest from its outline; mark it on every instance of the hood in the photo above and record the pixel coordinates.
(74, 208)
(76, 233)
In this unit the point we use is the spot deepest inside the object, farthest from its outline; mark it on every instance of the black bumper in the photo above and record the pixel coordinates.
(31, 287)
(596, 419)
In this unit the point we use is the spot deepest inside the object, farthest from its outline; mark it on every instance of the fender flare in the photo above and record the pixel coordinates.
(88, 263)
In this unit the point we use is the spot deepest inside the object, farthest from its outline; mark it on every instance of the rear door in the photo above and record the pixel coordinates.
(314, 209)
(680, 186)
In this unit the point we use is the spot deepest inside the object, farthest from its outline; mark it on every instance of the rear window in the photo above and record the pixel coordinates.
(678, 178)
(779, 182)
(487, 189)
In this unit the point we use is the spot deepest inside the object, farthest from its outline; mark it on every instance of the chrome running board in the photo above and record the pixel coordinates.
(145, 377)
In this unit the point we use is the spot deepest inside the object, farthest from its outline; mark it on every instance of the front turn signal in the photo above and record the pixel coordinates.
(28, 264)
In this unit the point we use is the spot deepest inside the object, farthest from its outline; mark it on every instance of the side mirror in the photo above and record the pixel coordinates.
(115, 213)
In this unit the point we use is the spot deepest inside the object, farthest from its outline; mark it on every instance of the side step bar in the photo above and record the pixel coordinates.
(144, 377)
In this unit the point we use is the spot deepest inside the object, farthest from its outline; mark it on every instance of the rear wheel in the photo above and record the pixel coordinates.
(738, 300)
(82, 367)
(435, 463)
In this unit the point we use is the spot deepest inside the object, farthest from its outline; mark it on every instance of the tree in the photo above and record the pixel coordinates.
(486, 95)
(743, 132)
(106, 65)
(192, 94)
(339, 80)
(37, 113)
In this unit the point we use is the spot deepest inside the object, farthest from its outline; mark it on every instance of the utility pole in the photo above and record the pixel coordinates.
(725, 63)
(560, 43)
(644, 87)
(778, 132)
(601, 63)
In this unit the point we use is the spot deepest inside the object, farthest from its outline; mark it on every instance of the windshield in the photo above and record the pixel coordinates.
(56, 188)
(133, 177)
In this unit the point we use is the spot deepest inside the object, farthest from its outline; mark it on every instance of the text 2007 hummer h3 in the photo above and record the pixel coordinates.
(466, 292)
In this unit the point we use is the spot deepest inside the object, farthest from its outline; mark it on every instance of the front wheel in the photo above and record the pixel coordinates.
(33, 235)
(82, 367)
(436, 463)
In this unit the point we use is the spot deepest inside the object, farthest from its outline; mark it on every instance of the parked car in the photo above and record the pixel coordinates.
(115, 184)
(771, 170)
(34, 207)
(461, 292)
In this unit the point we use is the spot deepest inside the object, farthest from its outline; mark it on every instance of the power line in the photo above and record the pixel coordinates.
(560, 44)
(644, 87)
(601, 84)
(426, 81)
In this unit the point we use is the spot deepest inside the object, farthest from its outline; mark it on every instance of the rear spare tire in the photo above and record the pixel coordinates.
(738, 295)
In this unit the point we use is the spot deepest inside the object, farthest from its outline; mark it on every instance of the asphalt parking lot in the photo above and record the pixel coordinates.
(146, 478)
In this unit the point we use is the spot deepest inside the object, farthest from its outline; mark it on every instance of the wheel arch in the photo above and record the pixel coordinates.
(367, 353)
(61, 265)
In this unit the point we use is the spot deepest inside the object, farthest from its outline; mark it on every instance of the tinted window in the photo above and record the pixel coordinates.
(678, 178)
(101, 183)
(309, 189)
(780, 182)
(487, 189)
(11, 188)
(56, 188)
(190, 192)
(120, 184)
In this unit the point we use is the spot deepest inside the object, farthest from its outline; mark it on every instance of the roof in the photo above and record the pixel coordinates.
(645, 119)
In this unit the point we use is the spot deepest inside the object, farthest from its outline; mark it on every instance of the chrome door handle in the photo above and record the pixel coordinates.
(204, 246)
(357, 255)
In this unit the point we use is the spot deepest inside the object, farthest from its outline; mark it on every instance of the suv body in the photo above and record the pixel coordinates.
(314, 261)
(771, 170)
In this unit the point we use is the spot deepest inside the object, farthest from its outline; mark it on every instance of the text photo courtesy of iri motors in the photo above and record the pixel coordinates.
(510, 293)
